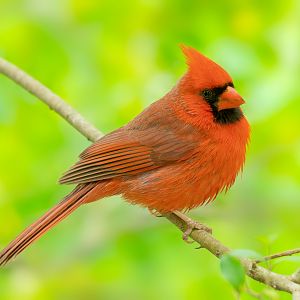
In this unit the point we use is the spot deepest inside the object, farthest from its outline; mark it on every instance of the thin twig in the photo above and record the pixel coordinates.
(52, 100)
(277, 255)
(203, 238)
(206, 240)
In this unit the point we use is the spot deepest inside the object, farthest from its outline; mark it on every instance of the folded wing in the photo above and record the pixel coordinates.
(124, 153)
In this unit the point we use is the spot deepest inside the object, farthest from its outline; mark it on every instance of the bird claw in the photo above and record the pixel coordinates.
(193, 225)
(155, 213)
(190, 224)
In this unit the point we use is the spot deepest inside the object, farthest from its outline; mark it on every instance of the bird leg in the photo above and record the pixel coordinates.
(155, 213)
(190, 226)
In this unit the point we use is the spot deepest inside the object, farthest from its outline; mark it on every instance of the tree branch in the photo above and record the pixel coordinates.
(52, 100)
(258, 273)
(295, 276)
(205, 239)
(277, 255)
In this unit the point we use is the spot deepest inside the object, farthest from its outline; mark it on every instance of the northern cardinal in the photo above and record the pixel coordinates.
(177, 154)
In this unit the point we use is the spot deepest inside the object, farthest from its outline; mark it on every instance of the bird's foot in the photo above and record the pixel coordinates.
(191, 225)
(194, 225)
(155, 212)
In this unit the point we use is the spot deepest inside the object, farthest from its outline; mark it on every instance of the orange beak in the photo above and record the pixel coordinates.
(230, 99)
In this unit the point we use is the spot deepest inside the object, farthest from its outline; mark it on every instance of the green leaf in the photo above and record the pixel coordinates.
(233, 271)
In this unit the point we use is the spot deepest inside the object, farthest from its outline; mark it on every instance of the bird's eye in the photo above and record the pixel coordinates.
(207, 94)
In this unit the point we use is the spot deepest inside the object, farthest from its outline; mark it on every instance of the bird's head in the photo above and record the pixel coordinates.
(207, 88)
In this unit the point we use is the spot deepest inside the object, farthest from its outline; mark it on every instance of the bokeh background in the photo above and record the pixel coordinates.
(110, 59)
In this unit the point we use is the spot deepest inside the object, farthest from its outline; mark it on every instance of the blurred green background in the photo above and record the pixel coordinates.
(109, 60)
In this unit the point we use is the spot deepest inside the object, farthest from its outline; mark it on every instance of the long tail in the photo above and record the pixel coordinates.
(47, 221)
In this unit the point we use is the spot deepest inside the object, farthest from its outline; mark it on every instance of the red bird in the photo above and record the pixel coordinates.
(179, 153)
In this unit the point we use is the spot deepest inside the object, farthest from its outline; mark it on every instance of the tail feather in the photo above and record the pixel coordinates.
(46, 222)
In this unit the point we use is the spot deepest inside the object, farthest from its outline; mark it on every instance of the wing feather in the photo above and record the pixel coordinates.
(131, 150)
(114, 155)
(98, 172)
